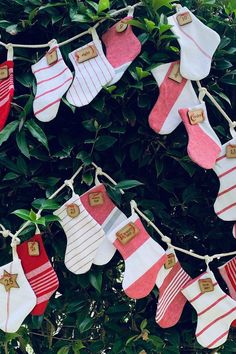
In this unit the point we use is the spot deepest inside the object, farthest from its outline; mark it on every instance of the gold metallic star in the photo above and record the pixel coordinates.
(9, 280)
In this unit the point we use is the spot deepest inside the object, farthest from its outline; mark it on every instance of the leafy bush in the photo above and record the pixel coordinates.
(93, 315)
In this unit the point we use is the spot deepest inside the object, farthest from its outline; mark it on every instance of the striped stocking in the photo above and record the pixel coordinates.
(38, 271)
(203, 145)
(175, 92)
(6, 90)
(216, 310)
(53, 80)
(99, 205)
(170, 280)
(225, 168)
(142, 255)
(84, 235)
(228, 273)
(91, 74)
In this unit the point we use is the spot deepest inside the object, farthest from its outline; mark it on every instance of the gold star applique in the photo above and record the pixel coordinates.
(9, 280)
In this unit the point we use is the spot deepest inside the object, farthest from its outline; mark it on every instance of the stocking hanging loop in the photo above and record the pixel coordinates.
(69, 183)
(202, 93)
(130, 11)
(9, 48)
(208, 259)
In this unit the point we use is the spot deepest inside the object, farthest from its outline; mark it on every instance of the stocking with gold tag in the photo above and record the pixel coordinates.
(203, 145)
(122, 46)
(197, 43)
(225, 168)
(6, 88)
(38, 271)
(174, 92)
(215, 309)
(170, 280)
(92, 72)
(17, 298)
(99, 205)
(84, 235)
(143, 256)
(53, 80)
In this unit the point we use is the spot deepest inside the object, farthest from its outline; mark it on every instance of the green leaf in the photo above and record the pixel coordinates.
(86, 324)
(96, 280)
(143, 324)
(64, 350)
(22, 213)
(103, 5)
(22, 143)
(7, 131)
(127, 184)
(10, 176)
(104, 142)
(76, 346)
(157, 4)
(47, 204)
(37, 132)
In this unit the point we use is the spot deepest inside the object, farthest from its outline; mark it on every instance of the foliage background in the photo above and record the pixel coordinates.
(93, 315)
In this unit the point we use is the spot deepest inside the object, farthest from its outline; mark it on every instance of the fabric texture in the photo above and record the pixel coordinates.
(6, 92)
(84, 236)
(173, 95)
(215, 309)
(225, 168)
(198, 44)
(53, 80)
(203, 144)
(143, 259)
(121, 49)
(18, 302)
(171, 300)
(39, 272)
(90, 76)
(107, 215)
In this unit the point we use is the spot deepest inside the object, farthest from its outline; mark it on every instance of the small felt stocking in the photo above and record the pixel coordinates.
(216, 310)
(53, 80)
(197, 43)
(142, 255)
(6, 89)
(92, 72)
(203, 145)
(170, 280)
(99, 205)
(122, 47)
(225, 168)
(38, 271)
(17, 298)
(84, 235)
(175, 92)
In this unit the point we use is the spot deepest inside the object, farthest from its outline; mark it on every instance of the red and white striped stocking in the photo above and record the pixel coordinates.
(170, 280)
(142, 255)
(6, 90)
(225, 168)
(53, 80)
(216, 310)
(99, 205)
(38, 271)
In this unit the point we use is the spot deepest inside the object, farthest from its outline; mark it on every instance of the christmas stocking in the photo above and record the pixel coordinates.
(84, 235)
(122, 47)
(142, 255)
(92, 72)
(197, 44)
(17, 298)
(204, 145)
(98, 204)
(215, 309)
(225, 168)
(170, 280)
(6, 90)
(53, 80)
(38, 271)
(175, 92)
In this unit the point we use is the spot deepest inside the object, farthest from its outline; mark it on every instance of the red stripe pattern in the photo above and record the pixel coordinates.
(225, 168)
(216, 311)
(90, 76)
(171, 301)
(52, 83)
(6, 93)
